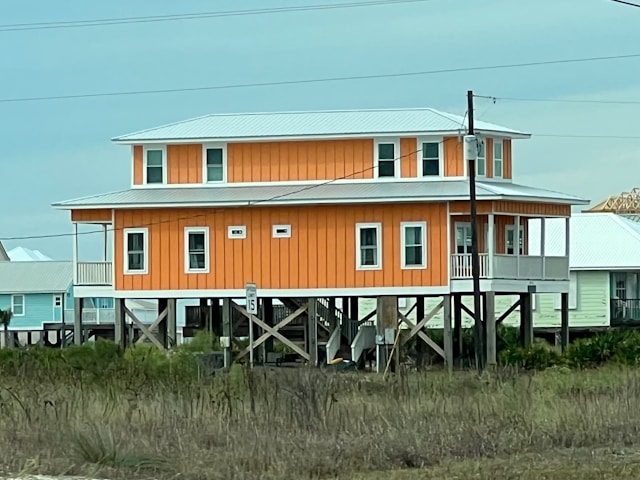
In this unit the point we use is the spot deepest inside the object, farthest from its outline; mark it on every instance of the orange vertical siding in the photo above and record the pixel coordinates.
(306, 160)
(137, 165)
(409, 160)
(320, 253)
(507, 160)
(453, 157)
(488, 151)
(184, 164)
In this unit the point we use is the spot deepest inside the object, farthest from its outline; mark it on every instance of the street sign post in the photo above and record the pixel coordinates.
(252, 298)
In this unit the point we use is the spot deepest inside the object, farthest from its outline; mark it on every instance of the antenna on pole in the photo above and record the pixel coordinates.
(471, 153)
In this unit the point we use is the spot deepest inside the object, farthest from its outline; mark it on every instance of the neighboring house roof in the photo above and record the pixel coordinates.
(21, 254)
(598, 241)
(354, 192)
(35, 277)
(339, 123)
(3, 254)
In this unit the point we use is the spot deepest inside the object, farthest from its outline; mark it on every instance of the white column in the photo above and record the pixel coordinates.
(75, 253)
(542, 242)
(491, 244)
(516, 244)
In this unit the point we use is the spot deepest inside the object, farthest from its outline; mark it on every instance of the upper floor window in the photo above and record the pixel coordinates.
(481, 161)
(17, 305)
(368, 246)
(510, 241)
(386, 153)
(137, 250)
(196, 249)
(413, 237)
(497, 158)
(214, 164)
(154, 168)
(430, 159)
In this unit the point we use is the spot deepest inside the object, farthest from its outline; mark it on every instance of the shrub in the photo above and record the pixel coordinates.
(538, 356)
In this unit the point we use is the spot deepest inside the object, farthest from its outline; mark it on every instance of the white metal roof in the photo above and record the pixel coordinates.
(352, 192)
(598, 241)
(35, 277)
(237, 126)
(4, 257)
(22, 254)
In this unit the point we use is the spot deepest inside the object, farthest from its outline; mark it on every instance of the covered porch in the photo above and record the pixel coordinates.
(93, 229)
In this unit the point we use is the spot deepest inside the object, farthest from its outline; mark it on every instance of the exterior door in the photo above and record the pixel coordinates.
(463, 237)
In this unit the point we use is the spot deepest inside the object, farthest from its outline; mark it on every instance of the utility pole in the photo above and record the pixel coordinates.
(471, 151)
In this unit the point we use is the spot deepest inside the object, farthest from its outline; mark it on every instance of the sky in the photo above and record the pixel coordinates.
(61, 149)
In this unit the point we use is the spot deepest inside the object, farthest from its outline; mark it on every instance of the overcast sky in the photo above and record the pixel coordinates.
(58, 150)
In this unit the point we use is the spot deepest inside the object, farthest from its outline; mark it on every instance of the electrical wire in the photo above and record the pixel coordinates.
(627, 3)
(561, 100)
(318, 80)
(195, 16)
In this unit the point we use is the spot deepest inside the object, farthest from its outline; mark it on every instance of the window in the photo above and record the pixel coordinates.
(497, 158)
(414, 244)
(386, 159)
(481, 161)
(154, 165)
(237, 231)
(214, 164)
(196, 240)
(17, 305)
(368, 246)
(135, 260)
(430, 159)
(510, 233)
(281, 231)
(57, 301)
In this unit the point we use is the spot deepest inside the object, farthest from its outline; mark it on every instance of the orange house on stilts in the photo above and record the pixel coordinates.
(317, 209)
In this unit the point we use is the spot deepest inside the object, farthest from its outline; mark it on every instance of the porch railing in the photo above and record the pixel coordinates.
(512, 267)
(461, 265)
(625, 310)
(94, 274)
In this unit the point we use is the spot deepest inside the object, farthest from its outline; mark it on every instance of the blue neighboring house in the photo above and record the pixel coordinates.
(37, 293)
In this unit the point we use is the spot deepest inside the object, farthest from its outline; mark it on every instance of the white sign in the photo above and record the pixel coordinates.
(252, 299)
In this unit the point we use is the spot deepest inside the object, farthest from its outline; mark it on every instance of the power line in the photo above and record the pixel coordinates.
(617, 137)
(217, 210)
(561, 100)
(317, 80)
(194, 16)
(627, 3)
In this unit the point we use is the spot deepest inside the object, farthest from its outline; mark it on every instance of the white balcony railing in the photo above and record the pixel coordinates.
(94, 274)
(512, 267)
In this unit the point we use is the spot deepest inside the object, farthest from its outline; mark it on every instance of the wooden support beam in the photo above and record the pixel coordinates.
(457, 328)
(227, 331)
(78, 332)
(273, 331)
(172, 323)
(312, 331)
(490, 323)
(526, 320)
(119, 327)
(368, 317)
(155, 324)
(422, 323)
(143, 328)
(447, 333)
(468, 310)
(564, 320)
(422, 334)
(421, 349)
(509, 311)
(386, 318)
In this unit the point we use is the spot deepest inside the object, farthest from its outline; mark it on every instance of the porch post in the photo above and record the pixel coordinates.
(542, 242)
(516, 244)
(567, 237)
(78, 330)
(75, 253)
(491, 244)
(104, 231)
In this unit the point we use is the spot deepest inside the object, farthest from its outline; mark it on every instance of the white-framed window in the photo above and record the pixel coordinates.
(136, 258)
(18, 305)
(481, 159)
(386, 158)
(510, 241)
(281, 231)
(215, 163)
(573, 293)
(155, 165)
(498, 149)
(57, 301)
(237, 231)
(196, 249)
(430, 158)
(368, 246)
(413, 244)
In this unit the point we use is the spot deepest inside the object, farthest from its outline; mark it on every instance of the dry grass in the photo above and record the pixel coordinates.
(311, 424)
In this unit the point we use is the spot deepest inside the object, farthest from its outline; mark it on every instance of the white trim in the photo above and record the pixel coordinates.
(449, 243)
(378, 227)
(113, 248)
(239, 235)
(125, 250)
(24, 304)
(145, 149)
(482, 141)
(54, 300)
(187, 261)
(498, 141)
(275, 293)
(510, 286)
(75, 253)
(403, 246)
(397, 165)
(205, 179)
(283, 138)
(281, 231)
(133, 165)
(94, 291)
(440, 142)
